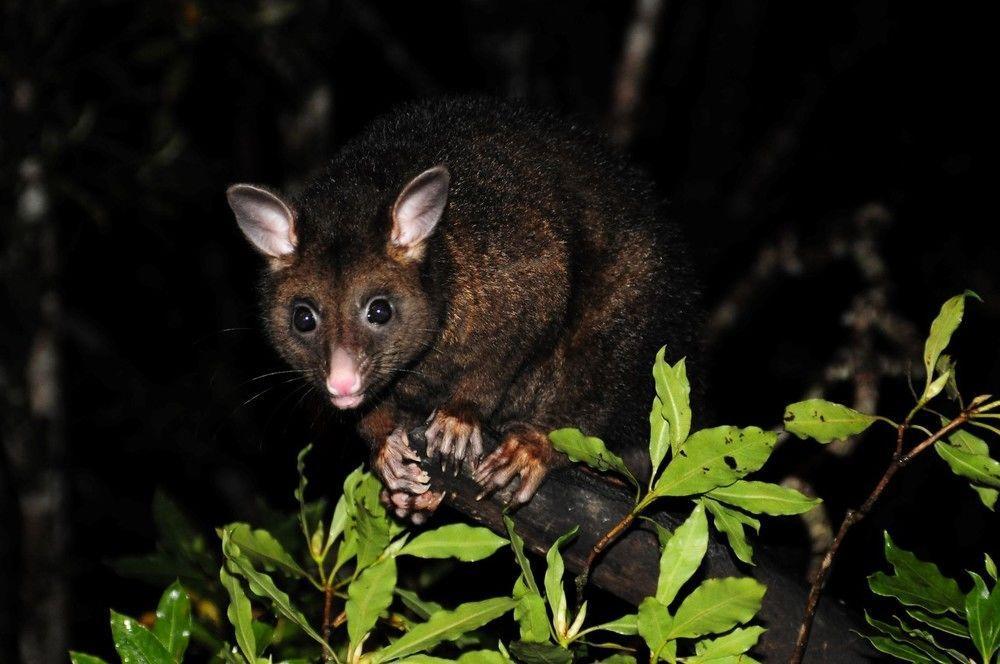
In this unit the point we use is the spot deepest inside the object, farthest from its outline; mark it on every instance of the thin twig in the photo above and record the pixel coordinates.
(606, 540)
(328, 622)
(852, 517)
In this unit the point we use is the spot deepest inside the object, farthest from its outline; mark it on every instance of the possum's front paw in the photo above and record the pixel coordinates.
(518, 466)
(407, 485)
(455, 436)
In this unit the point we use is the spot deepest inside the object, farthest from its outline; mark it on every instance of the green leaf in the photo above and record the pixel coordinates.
(540, 653)
(674, 392)
(173, 620)
(659, 436)
(987, 495)
(980, 469)
(943, 623)
(653, 623)
(825, 421)
(372, 532)
(554, 574)
(457, 540)
(589, 450)
(627, 625)
(764, 498)
(982, 610)
(445, 626)
(932, 652)
(263, 634)
(262, 548)
(618, 658)
(530, 614)
(735, 642)
(991, 567)
(368, 597)
(423, 608)
(916, 583)
(682, 555)
(240, 615)
(715, 457)
(136, 644)
(338, 522)
(942, 328)
(83, 658)
(517, 545)
(902, 651)
(263, 586)
(731, 522)
(300, 491)
(717, 605)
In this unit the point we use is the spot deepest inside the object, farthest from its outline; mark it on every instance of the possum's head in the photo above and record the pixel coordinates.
(345, 297)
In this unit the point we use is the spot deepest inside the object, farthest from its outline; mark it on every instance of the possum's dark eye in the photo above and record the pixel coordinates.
(379, 311)
(303, 318)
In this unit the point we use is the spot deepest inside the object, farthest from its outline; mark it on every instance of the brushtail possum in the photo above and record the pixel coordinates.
(479, 266)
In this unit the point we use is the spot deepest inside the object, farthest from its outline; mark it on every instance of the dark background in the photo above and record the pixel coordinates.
(831, 164)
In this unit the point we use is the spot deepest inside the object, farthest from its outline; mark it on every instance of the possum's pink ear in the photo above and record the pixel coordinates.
(417, 210)
(266, 220)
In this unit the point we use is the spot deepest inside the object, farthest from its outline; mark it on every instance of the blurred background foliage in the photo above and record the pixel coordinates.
(830, 163)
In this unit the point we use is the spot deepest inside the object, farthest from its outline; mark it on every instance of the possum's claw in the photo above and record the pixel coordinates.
(518, 467)
(407, 485)
(455, 436)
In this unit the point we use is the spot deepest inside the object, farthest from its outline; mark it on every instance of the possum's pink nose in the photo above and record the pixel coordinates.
(344, 380)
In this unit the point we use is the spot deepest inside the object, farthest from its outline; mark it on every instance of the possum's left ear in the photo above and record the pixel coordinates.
(416, 212)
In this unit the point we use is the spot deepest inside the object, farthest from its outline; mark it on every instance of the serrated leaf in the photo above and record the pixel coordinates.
(916, 583)
(653, 623)
(922, 635)
(263, 586)
(825, 421)
(714, 457)
(736, 642)
(555, 567)
(300, 490)
(136, 644)
(674, 392)
(445, 626)
(589, 450)
(540, 653)
(263, 549)
(932, 653)
(982, 611)
(682, 555)
(84, 658)
(173, 620)
(517, 545)
(943, 326)
(979, 468)
(457, 540)
(731, 522)
(943, 623)
(240, 615)
(368, 597)
(764, 498)
(902, 651)
(717, 605)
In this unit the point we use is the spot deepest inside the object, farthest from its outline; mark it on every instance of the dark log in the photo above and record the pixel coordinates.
(577, 496)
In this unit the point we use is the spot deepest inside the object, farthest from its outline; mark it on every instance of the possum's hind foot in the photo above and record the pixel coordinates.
(407, 485)
(518, 466)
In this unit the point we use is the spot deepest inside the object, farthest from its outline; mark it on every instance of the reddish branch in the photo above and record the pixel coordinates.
(899, 460)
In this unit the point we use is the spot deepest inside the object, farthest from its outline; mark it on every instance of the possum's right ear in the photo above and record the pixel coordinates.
(266, 220)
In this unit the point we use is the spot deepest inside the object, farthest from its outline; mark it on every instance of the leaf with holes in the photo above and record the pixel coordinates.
(825, 421)
(714, 457)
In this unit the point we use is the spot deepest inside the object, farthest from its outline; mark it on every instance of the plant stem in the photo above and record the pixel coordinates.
(854, 516)
(327, 618)
(606, 540)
